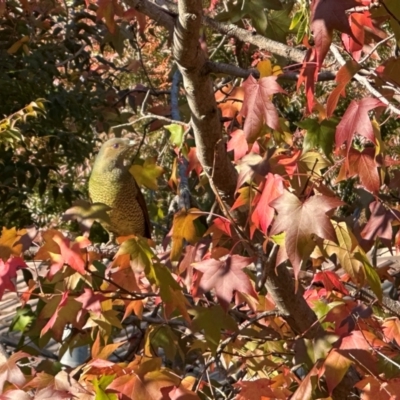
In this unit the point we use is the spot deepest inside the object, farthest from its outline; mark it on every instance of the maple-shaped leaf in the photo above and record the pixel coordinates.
(183, 228)
(258, 389)
(263, 213)
(391, 329)
(257, 105)
(358, 23)
(238, 144)
(356, 121)
(138, 253)
(147, 174)
(266, 68)
(14, 242)
(176, 301)
(319, 135)
(327, 15)
(246, 196)
(61, 250)
(372, 388)
(225, 276)
(289, 161)
(61, 309)
(252, 168)
(364, 165)
(301, 221)
(177, 134)
(70, 254)
(144, 386)
(91, 301)
(380, 222)
(8, 273)
(10, 372)
(345, 249)
(107, 9)
(330, 280)
(86, 213)
(212, 320)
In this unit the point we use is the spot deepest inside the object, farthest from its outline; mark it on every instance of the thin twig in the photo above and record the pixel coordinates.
(365, 83)
(365, 58)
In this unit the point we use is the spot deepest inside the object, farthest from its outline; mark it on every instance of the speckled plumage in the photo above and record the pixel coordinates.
(112, 184)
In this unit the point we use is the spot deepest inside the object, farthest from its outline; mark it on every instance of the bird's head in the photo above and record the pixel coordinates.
(115, 153)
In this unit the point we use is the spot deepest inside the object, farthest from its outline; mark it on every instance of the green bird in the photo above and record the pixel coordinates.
(112, 184)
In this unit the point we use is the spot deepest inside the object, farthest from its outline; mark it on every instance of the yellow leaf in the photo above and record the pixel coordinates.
(265, 68)
(15, 47)
(108, 349)
(183, 229)
(345, 252)
(9, 242)
(147, 174)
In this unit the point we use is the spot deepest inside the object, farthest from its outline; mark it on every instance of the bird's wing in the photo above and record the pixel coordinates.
(143, 206)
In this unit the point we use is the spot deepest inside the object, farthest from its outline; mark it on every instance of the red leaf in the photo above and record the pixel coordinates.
(257, 106)
(69, 254)
(380, 222)
(376, 389)
(108, 9)
(327, 15)
(131, 13)
(364, 165)
(308, 75)
(358, 22)
(238, 144)
(300, 221)
(52, 320)
(264, 213)
(356, 120)
(225, 277)
(194, 163)
(330, 280)
(223, 225)
(289, 162)
(343, 77)
(255, 389)
(8, 273)
(91, 301)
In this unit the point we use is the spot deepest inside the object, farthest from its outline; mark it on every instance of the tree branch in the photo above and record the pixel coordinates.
(191, 60)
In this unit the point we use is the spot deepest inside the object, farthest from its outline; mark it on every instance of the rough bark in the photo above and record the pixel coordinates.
(206, 125)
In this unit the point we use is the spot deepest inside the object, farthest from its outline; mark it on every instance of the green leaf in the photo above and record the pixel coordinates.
(100, 385)
(177, 132)
(279, 24)
(371, 275)
(272, 4)
(212, 320)
(319, 135)
(22, 319)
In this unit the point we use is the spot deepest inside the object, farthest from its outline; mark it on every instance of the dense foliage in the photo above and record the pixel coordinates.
(267, 145)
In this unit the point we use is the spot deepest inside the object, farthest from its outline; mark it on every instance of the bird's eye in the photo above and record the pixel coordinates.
(116, 145)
